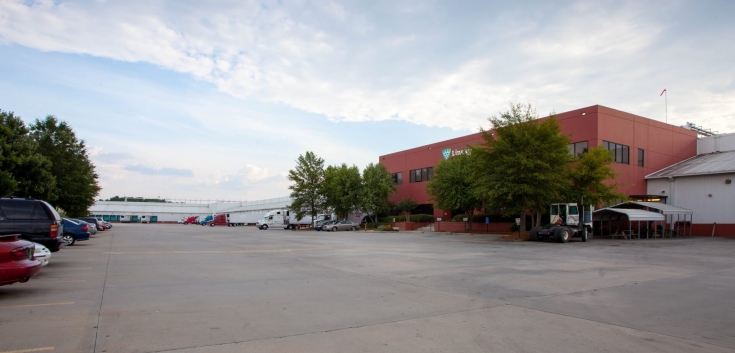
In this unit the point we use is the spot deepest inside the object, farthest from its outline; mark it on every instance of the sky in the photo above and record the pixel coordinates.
(217, 99)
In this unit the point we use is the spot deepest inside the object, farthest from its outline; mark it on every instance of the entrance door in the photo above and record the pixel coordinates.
(154, 219)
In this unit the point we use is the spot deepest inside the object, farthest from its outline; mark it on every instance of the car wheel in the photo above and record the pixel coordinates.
(534, 234)
(70, 239)
(264, 227)
(354, 228)
(562, 235)
(211, 224)
(334, 229)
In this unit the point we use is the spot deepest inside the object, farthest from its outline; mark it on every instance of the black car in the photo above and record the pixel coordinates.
(34, 220)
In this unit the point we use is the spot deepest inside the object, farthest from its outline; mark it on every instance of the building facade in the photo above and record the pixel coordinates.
(641, 147)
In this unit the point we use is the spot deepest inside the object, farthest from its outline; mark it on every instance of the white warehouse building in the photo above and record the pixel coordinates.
(172, 212)
(703, 184)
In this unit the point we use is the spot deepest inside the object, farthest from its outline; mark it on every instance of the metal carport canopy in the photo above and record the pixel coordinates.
(664, 208)
(633, 215)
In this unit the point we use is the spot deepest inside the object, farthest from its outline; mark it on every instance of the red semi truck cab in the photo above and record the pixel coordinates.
(190, 220)
(219, 220)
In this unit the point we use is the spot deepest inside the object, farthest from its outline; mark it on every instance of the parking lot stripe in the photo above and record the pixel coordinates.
(33, 305)
(31, 350)
(48, 282)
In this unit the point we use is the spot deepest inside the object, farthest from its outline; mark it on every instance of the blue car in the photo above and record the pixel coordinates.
(75, 230)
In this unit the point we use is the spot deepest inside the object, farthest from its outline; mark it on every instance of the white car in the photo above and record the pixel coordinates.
(42, 253)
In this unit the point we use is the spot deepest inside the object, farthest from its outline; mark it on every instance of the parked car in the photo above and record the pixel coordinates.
(342, 225)
(107, 224)
(75, 230)
(91, 229)
(35, 221)
(16, 260)
(181, 221)
(321, 226)
(42, 253)
(94, 222)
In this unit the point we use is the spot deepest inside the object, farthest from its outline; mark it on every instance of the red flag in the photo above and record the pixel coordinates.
(662, 92)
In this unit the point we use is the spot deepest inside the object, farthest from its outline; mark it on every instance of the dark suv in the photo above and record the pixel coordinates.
(34, 220)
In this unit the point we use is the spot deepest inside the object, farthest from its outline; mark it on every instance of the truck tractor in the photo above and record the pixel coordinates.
(564, 224)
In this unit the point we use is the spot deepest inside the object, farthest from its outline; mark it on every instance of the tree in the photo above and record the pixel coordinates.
(306, 190)
(377, 186)
(524, 168)
(453, 186)
(589, 175)
(407, 205)
(76, 180)
(23, 170)
(343, 189)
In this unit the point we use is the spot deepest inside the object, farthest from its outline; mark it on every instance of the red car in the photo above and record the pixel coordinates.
(17, 263)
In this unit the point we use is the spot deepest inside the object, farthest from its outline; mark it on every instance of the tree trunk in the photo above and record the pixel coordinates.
(538, 219)
(469, 219)
(522, 225)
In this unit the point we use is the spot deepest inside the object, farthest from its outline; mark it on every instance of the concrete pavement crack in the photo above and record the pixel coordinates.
(626, 327)
(328, 331)
(102, 298)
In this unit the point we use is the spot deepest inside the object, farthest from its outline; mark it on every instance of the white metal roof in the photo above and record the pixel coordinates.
(632, 215)
(703, 164)
(664, 208)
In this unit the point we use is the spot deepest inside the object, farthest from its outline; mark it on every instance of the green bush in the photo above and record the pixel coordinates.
(386, 228)
(422, 218)
(389, 219)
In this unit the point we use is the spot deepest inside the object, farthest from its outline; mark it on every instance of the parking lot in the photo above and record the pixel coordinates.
(177, 288)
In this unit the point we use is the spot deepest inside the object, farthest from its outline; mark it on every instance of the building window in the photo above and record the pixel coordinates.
(640, 157)
(423, 174)
(398, 178)
(577, 149)
(620, 153)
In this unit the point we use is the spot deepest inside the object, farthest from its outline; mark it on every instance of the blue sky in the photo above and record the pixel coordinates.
(216, 100)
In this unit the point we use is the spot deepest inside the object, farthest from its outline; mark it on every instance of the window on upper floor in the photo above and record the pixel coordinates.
(423, 174)
(641, 156)
(578, 148)
(620, 153)
(397, 178)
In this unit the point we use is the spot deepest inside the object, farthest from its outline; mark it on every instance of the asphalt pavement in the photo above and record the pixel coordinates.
(187, 288)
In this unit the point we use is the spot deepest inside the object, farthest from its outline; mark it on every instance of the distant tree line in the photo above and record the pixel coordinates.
(46, 161)
(340, 189)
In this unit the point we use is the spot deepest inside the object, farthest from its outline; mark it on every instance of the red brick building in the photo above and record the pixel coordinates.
(642, 146)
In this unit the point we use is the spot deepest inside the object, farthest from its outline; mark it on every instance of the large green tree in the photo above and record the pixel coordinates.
(592, 178)
(306, 190)
(522, 165)
(76, 179)
(377, 186)
(453, 187)
(343, 189)
(23, 170)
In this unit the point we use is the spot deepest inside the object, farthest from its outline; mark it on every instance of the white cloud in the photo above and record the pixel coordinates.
(328, 65)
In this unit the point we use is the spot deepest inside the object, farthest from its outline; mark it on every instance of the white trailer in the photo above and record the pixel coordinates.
(283, 219)
(241, 219)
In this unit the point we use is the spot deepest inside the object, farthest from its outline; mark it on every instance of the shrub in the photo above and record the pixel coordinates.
(422, 218)
(389, 219)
